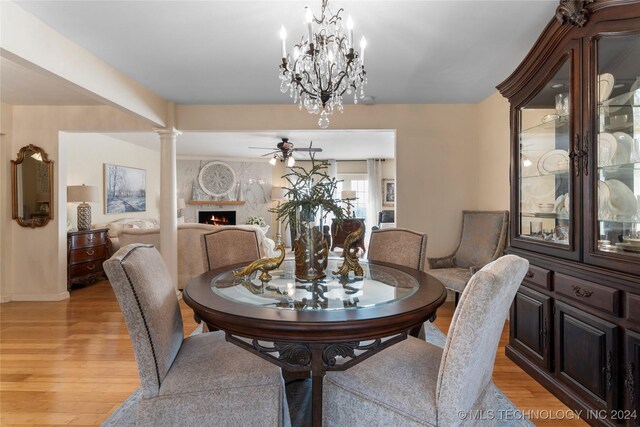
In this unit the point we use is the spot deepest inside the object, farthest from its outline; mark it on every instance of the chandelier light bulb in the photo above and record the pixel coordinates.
(363, 45)
(350, 28)
(283, 38)
(309, 20)
(330, 56)
(272, 161)
(291, 161)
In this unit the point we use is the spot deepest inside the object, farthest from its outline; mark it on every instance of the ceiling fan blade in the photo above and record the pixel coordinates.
(269, 154)
(263, 148)
(311, 150)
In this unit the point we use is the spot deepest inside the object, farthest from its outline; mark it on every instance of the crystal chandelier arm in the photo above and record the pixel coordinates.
(303, 88)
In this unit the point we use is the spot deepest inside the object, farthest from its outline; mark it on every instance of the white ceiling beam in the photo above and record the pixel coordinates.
(28, 41)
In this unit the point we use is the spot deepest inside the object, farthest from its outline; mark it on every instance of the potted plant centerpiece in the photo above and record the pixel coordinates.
(310, 198)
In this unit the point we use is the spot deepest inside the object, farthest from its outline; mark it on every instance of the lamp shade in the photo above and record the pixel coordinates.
(82, 193)
(181, 204)
(348, 194)
(277, 193)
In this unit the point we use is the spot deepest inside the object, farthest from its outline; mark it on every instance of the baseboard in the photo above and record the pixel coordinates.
(40, 297)
(451, 296)
(4, 299)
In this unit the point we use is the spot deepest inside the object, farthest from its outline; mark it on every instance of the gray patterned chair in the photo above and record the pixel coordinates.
(484, 236)
(229, 246)
(398, 246)
(199, 380)
(419, 384)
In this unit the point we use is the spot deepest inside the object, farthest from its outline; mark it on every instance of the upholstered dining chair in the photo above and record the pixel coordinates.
(228, 246)
(199, 380)
(398, 246)
(419, 384)
(483, 238)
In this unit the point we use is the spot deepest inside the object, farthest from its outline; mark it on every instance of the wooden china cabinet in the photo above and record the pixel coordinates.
(575, 209)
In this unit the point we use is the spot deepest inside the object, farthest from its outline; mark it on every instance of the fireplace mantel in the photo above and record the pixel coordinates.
(216, 202)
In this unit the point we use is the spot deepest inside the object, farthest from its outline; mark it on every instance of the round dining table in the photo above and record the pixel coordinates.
(316, 326)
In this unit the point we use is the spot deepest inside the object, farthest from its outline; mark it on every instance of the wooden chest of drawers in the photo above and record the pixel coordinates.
(86, 251)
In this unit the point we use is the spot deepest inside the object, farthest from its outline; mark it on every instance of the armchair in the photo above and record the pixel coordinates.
(484, 236)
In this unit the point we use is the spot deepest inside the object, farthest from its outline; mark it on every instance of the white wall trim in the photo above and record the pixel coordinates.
(40, 297)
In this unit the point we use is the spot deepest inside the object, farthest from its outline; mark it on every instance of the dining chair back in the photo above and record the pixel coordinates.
(398, 246)
(193, 380)
(469, 353)
(147, 297)
(229, 246)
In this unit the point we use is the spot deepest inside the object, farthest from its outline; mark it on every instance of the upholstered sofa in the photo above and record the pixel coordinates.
(115, 227)
(189, 248)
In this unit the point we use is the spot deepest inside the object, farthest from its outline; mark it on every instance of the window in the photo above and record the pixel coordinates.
(359, 184)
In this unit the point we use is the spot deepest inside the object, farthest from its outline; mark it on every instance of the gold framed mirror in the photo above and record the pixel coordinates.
(32, 187)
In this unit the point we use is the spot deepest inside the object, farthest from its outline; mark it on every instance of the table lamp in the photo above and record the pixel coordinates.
(83, 194)
(277, 195)
(348, 195)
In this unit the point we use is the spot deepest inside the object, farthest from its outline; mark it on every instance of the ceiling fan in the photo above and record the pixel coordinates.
(284, 152)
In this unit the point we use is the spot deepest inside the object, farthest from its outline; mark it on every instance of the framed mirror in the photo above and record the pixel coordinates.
(32, 187)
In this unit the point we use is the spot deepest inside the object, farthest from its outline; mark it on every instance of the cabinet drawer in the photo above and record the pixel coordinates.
(87, 254)
(633, 308)
(538, 276)
(85, 268)
(588, 293)
(88, 239)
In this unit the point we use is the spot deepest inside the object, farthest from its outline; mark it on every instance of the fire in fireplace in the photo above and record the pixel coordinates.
(217, 217)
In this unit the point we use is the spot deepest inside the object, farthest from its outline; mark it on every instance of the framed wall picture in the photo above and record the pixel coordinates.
(125, 189)
(388, 192)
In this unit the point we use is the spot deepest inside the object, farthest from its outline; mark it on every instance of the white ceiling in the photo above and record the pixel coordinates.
(227, 52)
(335, 144)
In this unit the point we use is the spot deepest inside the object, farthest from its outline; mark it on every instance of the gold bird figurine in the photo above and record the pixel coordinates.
(263, 264)
(349, 253)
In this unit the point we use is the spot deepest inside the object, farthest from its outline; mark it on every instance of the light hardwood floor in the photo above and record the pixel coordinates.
(71, 362)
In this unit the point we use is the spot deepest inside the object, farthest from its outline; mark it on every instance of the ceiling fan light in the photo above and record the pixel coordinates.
(291, 161)
(272, 161)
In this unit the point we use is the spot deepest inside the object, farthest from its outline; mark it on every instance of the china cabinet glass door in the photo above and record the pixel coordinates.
(545, 178)
(617, 151)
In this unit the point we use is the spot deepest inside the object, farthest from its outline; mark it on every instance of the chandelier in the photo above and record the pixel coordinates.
(324, 65)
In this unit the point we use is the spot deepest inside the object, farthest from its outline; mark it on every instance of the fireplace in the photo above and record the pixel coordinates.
(217, 217)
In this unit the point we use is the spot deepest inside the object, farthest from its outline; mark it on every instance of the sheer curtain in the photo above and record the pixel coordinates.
(374, 178)
(332, 171)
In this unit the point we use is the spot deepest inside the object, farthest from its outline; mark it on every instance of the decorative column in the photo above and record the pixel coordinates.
(168, 203)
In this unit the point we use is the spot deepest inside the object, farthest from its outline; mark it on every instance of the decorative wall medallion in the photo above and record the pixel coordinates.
(217, 179)
(573, 12)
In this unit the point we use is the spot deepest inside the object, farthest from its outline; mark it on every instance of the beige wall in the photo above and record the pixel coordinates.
(492, 186)
(38, 256)
(449, 158)
(436, 153)
(86, 155)
(6, 225)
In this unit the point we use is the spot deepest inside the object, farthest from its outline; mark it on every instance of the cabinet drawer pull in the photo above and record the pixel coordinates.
(530, 274)
(90, 238)
(91, 252)
(579, 292)
(91, 267)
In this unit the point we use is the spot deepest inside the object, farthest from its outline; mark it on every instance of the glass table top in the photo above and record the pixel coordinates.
(380, 285)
